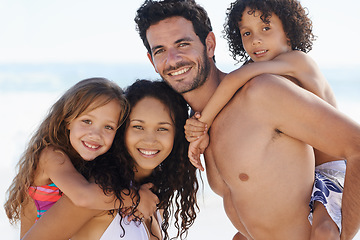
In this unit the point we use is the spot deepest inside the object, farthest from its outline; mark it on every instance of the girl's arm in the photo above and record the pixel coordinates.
(58, 167)
(62, 172)
(285, 64)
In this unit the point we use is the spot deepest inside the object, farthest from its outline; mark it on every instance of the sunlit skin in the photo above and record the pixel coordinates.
(150, 135)
(259, 159)
(149, 139)
(263, 41)
(178, 57)
(92, 133)
(231, 153)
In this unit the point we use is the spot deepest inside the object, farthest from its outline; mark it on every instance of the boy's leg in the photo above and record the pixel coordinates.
(326, 200)
(323, 227)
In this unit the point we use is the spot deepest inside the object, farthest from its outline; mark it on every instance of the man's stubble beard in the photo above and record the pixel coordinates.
(199, 80)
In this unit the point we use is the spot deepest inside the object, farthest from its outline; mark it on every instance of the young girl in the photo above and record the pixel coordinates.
(276, 35)
(80, 126)
(153, 144)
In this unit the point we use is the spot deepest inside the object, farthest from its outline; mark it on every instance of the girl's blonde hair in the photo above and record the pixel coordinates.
(86, 95)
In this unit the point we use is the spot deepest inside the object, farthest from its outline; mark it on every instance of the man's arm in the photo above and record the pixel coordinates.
(60, 222)
(350, 202)
(303, 116)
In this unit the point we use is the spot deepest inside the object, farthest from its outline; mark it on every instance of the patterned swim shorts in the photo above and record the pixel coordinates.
(328, 189)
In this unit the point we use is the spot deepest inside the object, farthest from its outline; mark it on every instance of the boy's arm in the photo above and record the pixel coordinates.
(58, 167)
(284, 64)
(197, 148)
(194, 129)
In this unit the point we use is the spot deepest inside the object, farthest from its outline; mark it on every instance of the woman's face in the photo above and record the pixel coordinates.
(149, 137)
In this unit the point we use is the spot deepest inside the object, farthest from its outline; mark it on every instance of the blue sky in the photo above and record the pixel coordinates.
(42, 31)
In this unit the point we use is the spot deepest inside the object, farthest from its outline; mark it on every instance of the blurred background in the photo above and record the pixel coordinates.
(48, 46)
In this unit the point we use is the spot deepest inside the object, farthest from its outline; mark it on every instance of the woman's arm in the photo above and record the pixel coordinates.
(28, 216)
(60, 222)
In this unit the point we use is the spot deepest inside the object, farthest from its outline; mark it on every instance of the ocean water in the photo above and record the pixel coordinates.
(28, 91)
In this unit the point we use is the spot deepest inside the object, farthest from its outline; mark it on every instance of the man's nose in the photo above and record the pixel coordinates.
(173, 57)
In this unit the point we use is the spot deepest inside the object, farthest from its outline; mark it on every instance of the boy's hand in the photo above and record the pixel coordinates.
(194, 129)
(196, 148)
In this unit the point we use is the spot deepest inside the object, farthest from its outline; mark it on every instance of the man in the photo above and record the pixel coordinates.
(259, 159)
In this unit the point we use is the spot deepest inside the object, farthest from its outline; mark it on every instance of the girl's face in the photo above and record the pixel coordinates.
(263, 41)
(93, 132)
(149, 137)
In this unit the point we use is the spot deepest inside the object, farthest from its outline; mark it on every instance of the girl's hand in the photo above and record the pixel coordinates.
(194, 129)
(148, 200)
(131, 213)
(147, 205)
(196, 148)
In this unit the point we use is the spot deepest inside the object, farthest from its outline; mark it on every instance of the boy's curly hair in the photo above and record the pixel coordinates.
(295, 20)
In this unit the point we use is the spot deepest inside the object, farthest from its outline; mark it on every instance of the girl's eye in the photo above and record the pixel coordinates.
(87, 121)
(109, 128)
(163, 129)
(266, 28)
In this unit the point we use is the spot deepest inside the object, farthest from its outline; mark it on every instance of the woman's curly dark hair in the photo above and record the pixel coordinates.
(295, 20)
(175, 181)
(152, 12)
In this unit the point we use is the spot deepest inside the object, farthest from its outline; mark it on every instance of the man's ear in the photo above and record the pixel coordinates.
(152, 62)
(210, 44)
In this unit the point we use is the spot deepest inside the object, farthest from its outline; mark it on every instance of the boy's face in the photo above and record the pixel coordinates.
(263, 41)
(177, 54)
